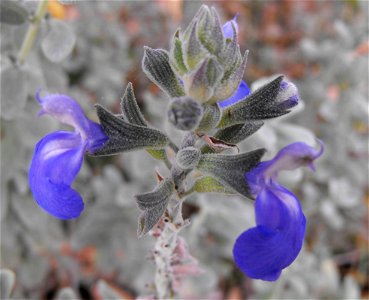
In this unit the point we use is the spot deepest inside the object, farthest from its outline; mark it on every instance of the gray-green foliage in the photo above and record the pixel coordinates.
(7, 281)
(14, 91)
(58, 42)
(124, 136)
(230, 169)
(12, 12)
(153, 205)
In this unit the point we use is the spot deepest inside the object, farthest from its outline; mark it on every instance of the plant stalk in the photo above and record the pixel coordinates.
(33, 29)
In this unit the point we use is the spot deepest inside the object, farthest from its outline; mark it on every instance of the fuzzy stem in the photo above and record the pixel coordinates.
(168, 229)
(163, 251)
(32, 31)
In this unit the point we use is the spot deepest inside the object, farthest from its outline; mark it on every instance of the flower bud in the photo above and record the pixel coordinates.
(201, 83)
(207, 58)
(288, 95)
(188, 158)
(185, 113)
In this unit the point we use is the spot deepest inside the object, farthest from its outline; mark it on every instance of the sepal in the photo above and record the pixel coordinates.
(230, 81)
(155, 65)
(201, 83)
(237, 133)
(193, 51)
(231, 56)
(176, 58)
(130, 109)
(188, 158)
(210, 118)
(124, 136)
(230, 169)
(132, 114)
(153, 205)
(260, 105)
(210, 31)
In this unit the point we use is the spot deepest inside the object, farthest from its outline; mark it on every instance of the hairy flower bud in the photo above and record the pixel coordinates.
(207, 57)
(188, 158)
(185, 113)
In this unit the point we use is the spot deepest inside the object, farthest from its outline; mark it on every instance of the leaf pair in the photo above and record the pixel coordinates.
(128, 131)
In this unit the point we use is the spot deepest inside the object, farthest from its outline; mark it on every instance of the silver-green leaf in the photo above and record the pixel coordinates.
(7, 280)
(59, 41)
(230, 170)
(153, 205)
(124, 136)
(14, 86)
(12, 12)
(130, 109)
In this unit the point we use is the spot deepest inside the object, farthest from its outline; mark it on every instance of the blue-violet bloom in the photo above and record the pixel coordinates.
(58, 157)
(262, 252)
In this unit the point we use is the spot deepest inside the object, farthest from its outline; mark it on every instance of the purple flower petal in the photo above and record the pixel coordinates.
(228, 29)
(68, 111)
(56, 161)
(262, 252)
(241, 93)
(64, 109)
(291, 157)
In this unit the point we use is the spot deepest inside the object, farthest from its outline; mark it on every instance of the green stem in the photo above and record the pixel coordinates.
(188, 192)
(32, 31)
(167, 162)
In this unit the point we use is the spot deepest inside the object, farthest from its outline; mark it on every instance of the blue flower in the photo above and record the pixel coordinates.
(58, 157)
(262, 252)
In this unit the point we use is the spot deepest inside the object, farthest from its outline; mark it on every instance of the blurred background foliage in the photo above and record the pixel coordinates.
(90, 50)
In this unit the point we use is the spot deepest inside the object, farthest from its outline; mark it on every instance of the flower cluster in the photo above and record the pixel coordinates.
(202, 74)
